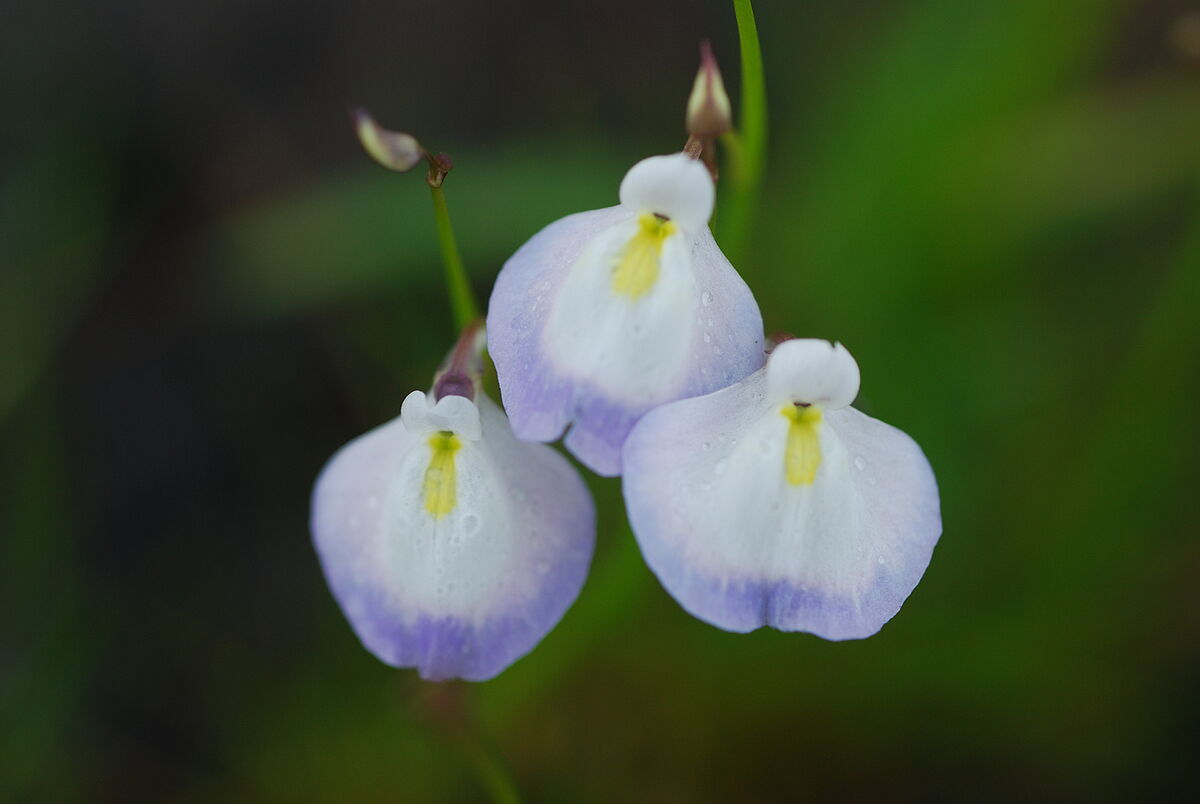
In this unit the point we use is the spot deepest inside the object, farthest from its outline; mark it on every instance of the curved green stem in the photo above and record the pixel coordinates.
(494, 774)
(462, 300)
(749, 154)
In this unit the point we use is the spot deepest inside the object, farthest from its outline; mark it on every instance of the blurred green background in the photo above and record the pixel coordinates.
(206, 288)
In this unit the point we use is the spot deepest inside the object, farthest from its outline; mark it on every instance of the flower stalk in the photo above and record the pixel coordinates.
(462, 299)
(401, 152)
(747, 146)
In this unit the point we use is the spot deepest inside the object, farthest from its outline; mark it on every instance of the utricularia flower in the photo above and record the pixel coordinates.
(604, 315)
(451, 546)
(773, 502)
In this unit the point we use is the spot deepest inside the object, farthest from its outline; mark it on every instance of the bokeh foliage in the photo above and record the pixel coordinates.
(994, 204)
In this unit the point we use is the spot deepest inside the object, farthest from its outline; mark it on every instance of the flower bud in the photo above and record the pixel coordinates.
(709, 113)
(395, 150)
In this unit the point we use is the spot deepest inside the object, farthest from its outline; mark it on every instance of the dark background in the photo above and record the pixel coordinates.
(206, 288)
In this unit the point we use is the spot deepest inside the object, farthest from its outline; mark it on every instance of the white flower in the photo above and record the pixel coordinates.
(603, 315)
(450, 545)
(772, 502)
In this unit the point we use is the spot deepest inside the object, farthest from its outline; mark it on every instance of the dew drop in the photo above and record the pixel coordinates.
(860, 462)
(706, 298)
(716, 350)
(707, 338)
(881, 561)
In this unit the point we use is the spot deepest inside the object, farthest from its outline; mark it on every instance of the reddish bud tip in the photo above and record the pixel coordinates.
(709, 113)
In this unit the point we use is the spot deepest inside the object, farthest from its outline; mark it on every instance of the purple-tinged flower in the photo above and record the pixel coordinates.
(772, 502)
(606, 314)
(451, 546)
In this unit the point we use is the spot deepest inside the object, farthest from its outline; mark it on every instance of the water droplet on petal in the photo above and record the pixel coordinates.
(706, 298)
(860, 462)
(707, 338)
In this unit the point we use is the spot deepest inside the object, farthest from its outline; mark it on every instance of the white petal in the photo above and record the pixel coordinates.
(569, 352)
(812, 371)
(740, 546)
(674, 185)
(466, 592)
(632, 347)
(457, 414)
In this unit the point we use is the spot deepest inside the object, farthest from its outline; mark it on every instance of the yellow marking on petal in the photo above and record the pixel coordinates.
(441, 481)
(637, 269)
(803, 454)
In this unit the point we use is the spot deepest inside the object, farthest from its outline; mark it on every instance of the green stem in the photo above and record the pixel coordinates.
(494, 774)
(749, 157)
(462, 300)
